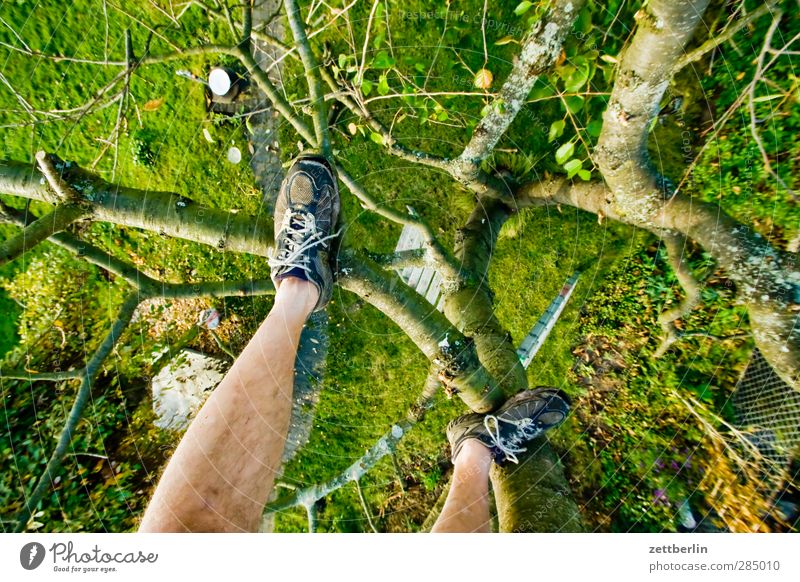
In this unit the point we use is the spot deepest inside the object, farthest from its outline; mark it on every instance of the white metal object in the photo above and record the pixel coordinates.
(534, 340)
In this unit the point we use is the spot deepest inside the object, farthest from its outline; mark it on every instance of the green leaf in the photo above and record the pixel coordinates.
(376, 137)
(383, 61)
(574, 104)
(585, 175)
(506, 40)
(556, 129)
(573, 167)
(565, 152)
(523, 7)
(577, 79)
(594, 127)
(366, 87)
(420, 67)
(383, 85)
(767, 98)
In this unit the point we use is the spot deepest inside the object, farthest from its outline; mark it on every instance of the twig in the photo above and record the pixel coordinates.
(59, 219)
(776, 19)
(364, 506)
(675, 247)
(724, 36)
(443, 258)
(362, 64)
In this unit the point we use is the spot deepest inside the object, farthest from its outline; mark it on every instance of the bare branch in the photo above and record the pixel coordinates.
(675, 248)
(729, 32)
(162, 212)
(445, 262)
(60, 218)
(311, 67)
(445, 346)
(65, 438)
(767, 281)
(776, 19)
(664, 28)
(42, 376)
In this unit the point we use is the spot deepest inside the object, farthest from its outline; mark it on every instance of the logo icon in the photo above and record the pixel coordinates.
(31, 555)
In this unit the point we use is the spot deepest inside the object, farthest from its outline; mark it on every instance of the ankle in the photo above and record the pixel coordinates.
(473, 458)
(297, 293)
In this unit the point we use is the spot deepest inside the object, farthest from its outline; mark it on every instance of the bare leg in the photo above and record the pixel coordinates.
(467, 505)
(222, 471)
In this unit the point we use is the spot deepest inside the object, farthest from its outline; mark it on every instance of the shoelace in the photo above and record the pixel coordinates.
(524, 429)
(301, 235)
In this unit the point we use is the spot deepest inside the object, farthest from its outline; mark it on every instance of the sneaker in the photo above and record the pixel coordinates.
(520, 420)
(306, 213)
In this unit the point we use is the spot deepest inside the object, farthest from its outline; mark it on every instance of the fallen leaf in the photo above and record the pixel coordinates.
(153, 104)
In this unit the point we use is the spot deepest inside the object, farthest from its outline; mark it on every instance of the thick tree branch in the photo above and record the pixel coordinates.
(724, 36)
(161, 212)
(471, 308)
(664, 28)
(454, 355)
(768, 283)
(311, 67)
(539, 52)
(65, 438)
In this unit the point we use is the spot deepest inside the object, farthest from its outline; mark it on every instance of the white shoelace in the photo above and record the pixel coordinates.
(526, 429)
(302, 235)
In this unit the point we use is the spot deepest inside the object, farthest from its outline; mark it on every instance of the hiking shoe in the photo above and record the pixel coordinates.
(521, 419)
(306, 213)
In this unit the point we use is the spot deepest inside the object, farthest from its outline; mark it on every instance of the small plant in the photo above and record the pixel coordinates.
(142, 145)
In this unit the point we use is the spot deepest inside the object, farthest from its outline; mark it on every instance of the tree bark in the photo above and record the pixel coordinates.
(534, 496)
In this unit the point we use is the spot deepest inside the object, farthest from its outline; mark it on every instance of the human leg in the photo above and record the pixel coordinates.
(477, 439)
(221, 474)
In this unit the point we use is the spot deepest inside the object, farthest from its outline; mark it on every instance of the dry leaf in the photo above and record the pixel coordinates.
(153, 104)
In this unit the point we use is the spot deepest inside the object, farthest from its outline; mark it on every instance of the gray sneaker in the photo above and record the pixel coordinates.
(521, 419)
(306, 213)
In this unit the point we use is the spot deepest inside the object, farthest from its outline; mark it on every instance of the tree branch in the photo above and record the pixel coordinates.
(768, 282)
(664, 28)
(729, 32)
(65, 438)
(675, 247)
(444, 260)
(320, 112)
(539, 51)
(454, 355)
(163, 212)
(471, 308)
(60, 218)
